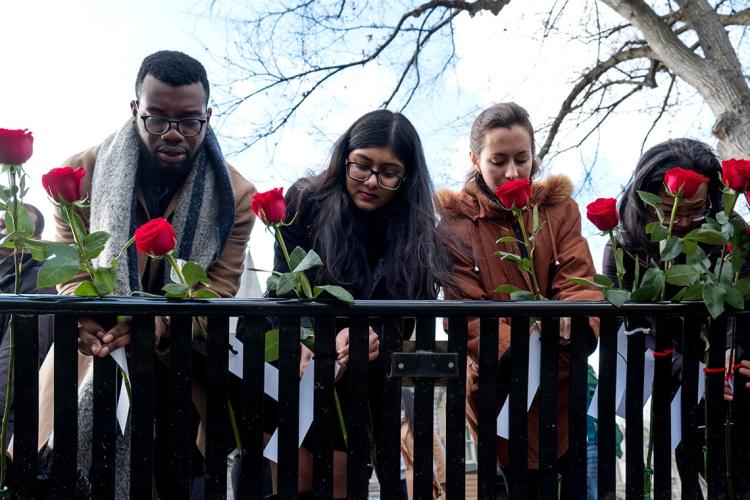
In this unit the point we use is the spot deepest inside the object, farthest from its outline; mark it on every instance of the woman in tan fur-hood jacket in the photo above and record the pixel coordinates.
(502, 149)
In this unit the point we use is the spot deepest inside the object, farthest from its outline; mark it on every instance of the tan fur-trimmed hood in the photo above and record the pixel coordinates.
(473, 202)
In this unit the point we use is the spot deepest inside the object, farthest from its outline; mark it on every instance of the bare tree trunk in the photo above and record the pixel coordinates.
(716, 75)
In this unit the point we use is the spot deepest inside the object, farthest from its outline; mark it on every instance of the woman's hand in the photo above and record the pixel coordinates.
(342, 346)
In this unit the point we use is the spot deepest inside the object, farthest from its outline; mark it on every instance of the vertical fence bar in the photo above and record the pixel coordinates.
(358, 455)
(66, 405)
(548, 407)
(715, 410)
(252, 409)
(325, 420)
(488, 387)
(423, 415)
(389, 428)
(577, 409)
(692, 351)
(636, 346)
(606, 407)
(455, 414)
(141, 367)
(180, 434)
(518, 421)
(288, 442)
(25, 406)
(104, 434)
(661, 400)
(218, 429)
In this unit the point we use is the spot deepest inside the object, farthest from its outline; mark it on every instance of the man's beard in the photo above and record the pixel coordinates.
(167, 172)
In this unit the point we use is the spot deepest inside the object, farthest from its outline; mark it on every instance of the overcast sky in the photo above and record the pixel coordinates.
(69, 69)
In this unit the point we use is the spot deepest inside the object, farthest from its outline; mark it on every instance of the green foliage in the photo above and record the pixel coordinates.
(617, 297)
(682, 275)
(271, 346)
(176, 290)
(94, 243)
(61, 265)
(338, 292)
(194, 274)
(651, 285)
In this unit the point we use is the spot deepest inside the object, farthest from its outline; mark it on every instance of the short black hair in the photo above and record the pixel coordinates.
(39, 225)
(171, 67)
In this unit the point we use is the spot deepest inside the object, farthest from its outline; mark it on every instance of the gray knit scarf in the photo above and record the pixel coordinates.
(203, 220)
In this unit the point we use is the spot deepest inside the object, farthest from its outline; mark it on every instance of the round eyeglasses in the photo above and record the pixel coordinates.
(360, 173)
(159, 125)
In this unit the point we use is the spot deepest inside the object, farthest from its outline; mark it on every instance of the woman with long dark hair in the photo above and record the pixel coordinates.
(638, 249)
(370, 216)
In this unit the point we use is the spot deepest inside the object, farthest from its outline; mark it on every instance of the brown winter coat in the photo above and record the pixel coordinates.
(470, 228)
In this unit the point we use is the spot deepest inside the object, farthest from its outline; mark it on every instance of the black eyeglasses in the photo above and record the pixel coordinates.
(361, 173)
(159, 125)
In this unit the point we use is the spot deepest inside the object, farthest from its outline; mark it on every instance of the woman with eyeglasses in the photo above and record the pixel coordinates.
(501, 150)
(691, 213)
(649, 176)
(370, 216)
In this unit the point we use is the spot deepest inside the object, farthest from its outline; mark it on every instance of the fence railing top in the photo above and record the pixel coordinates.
(40, 304)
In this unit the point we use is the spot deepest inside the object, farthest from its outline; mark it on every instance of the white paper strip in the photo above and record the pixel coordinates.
(676, 417)
(270, 372)
(123, 402)
(535, 361)
(306, 410)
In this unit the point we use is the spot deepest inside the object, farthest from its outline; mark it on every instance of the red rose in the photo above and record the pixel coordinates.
(270, 206)
(64, 183)
(602, 212)
(16, 146)
(680, 179)
(156, 237)
(736, 174)
(514, 194)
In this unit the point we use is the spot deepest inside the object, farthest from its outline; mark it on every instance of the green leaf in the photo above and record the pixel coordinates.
(94, 243)
(713, 296)
(61, 266)
(305, 285)
(524, 265)
(727, 230)
(86, 289)
(733, 297)
(205, 293)
(743, 286)
(682, 275)
(308, 342)
(651, 285)
(296, 257)
(310, 261)
(105, 280)
(175, 290)
(522, 295)
(692, 292)
(195, 274)
(672, 248)
(37, 248)
(617, 297)
(338, 292)
(25, 225)
(721, 217)
(287, 283)
(271, 346)
(511, 288)
(698, 259)
(603, 281)
(707, 236)
(657, 231)
(509, 256)
(582, 282)
(650, 199)
(272, 282)
(729, 198)
(508, 239)
(620, 260)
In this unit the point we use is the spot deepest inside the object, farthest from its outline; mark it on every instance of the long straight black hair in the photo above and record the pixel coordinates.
(415, 263)
(649, 176)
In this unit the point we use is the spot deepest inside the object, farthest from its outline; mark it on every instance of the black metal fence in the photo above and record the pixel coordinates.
(423, 368)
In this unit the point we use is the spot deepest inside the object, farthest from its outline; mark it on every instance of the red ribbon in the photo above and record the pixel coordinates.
(714, 370)
(663, 354)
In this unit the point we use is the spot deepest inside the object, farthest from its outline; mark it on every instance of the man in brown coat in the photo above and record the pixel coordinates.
(164, 162)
